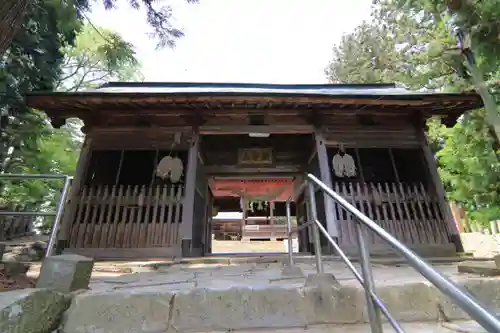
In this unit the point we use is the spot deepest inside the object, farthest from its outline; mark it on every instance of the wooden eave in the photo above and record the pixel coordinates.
(87, 105)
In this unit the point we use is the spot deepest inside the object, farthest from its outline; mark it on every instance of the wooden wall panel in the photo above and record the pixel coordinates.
(138, 139)
(386, 132)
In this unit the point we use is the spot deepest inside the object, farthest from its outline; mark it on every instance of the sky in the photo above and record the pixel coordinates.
(248, 41)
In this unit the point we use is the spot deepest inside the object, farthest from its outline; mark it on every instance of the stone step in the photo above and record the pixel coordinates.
(195, 298)
(38, 310)
(427, 327)
(160, 306)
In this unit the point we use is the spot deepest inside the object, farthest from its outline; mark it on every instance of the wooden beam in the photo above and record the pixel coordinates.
(326, 178)
(248, 171)
(270, 129)
(186, 229)
(151, 129)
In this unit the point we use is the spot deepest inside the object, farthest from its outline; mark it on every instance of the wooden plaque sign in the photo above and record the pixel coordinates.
(255, 156)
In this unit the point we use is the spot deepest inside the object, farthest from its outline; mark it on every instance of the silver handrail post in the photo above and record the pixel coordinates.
(316, 239)
(289, 232)
(369, 283)
(58, 216)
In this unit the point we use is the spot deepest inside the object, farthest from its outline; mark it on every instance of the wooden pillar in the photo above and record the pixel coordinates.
(439, 188)
(244, 204)
(326, 177)
(186, 230)
(208, 222)
(271, 219)
(76, 186)
(310, 245)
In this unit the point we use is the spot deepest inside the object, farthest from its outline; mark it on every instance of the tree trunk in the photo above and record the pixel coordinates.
(11, 18)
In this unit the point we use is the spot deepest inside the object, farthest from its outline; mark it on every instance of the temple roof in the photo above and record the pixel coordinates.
(187, 97)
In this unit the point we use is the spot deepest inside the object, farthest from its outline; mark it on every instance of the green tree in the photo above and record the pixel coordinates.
(469, 166)
(32, 62)
(373, 52)
(413, 47)
(97, 56)
(479, 56)
(12, 13)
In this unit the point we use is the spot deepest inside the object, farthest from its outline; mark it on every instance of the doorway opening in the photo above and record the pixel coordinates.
(251, 178)
(244, 224)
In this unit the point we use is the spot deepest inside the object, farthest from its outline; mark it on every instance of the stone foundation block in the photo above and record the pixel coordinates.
(65, 273)
(327, 302)
(408, 302)
(485, 290)
(31, 310)
(2, 250)
(13, 268)
(496, 259)
(239, 308)
(120, 311)
(481, 268)
(291, 271)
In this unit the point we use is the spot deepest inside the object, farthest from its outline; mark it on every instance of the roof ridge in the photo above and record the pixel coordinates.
(245, 85)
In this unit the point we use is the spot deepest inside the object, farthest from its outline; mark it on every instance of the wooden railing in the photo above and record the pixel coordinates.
(407, 211)
(127, 217)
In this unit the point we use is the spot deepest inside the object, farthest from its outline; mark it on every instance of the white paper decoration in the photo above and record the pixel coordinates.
(170, 167)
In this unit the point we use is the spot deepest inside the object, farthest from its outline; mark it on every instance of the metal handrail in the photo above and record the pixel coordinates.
(59, 209)
(460, 297)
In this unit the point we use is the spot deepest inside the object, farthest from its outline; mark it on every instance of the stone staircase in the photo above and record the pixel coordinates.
(191, 296)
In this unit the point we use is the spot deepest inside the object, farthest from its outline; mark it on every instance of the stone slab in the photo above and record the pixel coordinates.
(239, 308)
(120, 311)
(31, 310)
(465, 327)
(65, 273)
(422, 327)
(481, 268)
(409, 302)
(496, 260)
(248, 296)
(485, 290)
(292, 271)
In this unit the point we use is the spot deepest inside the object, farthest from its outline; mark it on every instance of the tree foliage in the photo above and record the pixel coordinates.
(98, 56)
(12, 14)
(53, 50)
(410, 42)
